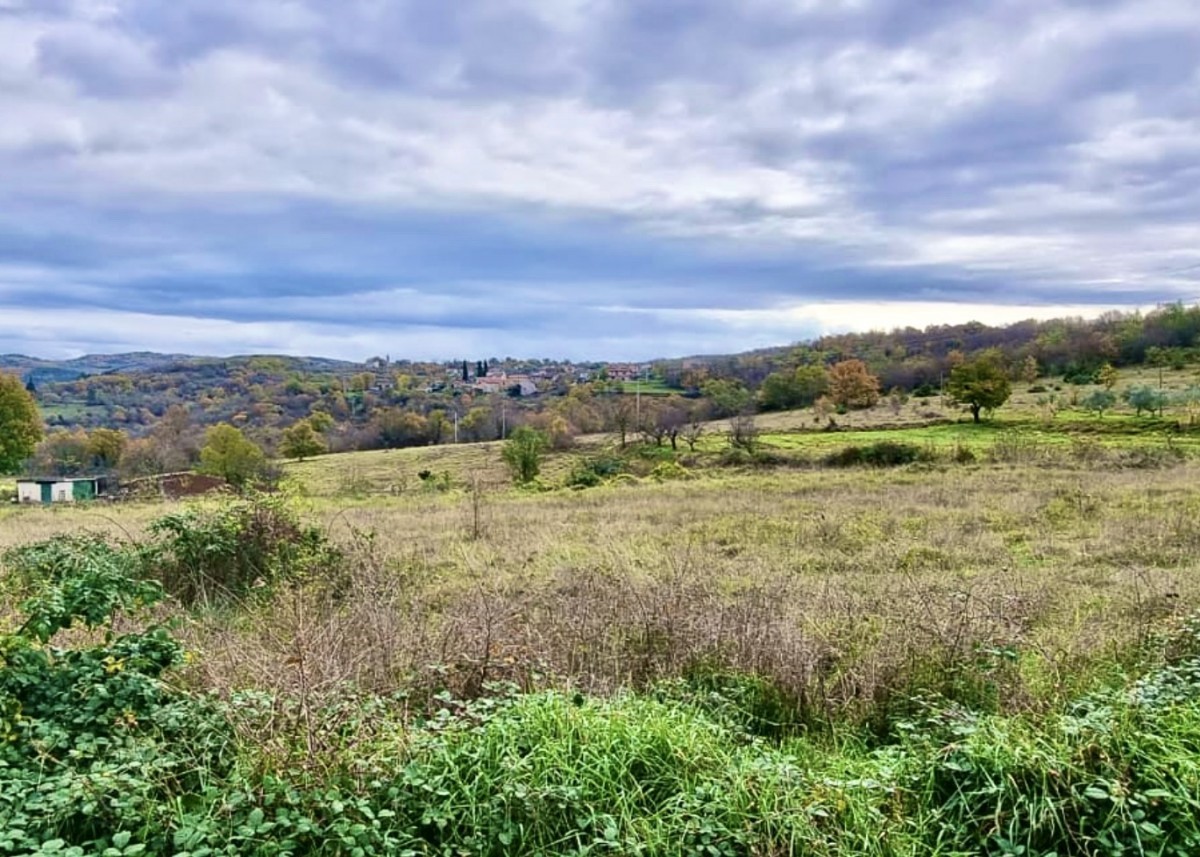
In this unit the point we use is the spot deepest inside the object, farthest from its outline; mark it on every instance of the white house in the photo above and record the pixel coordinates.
(60, 489)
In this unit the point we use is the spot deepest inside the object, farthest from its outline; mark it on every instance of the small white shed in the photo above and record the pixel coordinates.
(60, 489)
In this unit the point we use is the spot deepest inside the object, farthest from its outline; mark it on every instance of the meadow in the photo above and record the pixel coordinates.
(988, 649)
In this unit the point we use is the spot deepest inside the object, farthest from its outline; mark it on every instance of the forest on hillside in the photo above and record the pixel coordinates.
(162, 409)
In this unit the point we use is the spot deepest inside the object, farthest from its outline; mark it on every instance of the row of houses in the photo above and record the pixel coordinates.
(502, 383)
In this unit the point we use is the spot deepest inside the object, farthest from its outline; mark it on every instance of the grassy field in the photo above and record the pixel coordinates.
(648, 387)
(706, 654)
(72, 411)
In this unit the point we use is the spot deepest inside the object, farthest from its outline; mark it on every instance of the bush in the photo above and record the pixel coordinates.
(436, 482)
(925, 391)
(523, 453)
(744, 703)
(668, 470)
(215, 553)
(96, 748)
(1081, 377)
(963, 454)
(594, 470)
(884, 453)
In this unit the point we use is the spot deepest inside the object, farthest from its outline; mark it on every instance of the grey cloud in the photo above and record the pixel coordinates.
(238, 160)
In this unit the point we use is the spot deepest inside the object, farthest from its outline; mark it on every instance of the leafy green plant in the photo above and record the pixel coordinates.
(215, 552)
(96, 750)
(523, 453)
(593, 470)
(1143, 397)
(884, 453)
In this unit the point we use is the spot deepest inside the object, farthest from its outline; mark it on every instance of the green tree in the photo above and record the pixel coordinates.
(1107, 376)
(396, 428)
(20, 423)
(301, 441)
(105, 446)
(437, 424)
(523, 453)
(1099, 401)
(231, 455)
(320, 421)
(728, 397)
(478, 424)
(980, 384)
(1146, 398)
(796, 388)
(778, 392)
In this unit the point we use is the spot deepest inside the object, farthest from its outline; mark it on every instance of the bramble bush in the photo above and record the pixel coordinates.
(217, 553)
(96, 749)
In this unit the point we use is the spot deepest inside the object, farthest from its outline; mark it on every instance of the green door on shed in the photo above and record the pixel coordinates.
(85, 490)
(47, 492)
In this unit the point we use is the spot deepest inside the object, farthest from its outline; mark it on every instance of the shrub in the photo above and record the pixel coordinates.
(884, 453)
(215, 553)
(593, 470)
(962, 454)
(96, 748)
(1081, 376)
(668, 470)
(744, 703)
(436, 482)
(523, 453)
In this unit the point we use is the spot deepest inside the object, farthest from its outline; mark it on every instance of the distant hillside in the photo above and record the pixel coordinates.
(42, 371)
(396, 403)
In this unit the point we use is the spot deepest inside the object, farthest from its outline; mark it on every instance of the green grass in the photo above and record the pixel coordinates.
(649, 387)
(72, 411)
(1109, 433)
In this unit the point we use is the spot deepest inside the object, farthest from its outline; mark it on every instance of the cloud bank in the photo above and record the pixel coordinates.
(584, 178)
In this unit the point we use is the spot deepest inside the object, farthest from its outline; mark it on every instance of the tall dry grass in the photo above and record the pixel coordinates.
(1004, 586)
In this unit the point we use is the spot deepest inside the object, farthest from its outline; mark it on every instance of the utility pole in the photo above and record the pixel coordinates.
(455, 412)
(637, 399)
(503, 421)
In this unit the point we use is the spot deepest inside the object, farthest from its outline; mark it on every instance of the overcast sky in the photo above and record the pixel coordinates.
(584, 178)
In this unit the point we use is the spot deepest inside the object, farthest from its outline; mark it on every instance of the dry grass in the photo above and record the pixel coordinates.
(841, 586)
(396, 472)
(23, 524)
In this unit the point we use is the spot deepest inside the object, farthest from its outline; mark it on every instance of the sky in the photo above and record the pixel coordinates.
(585, 179)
